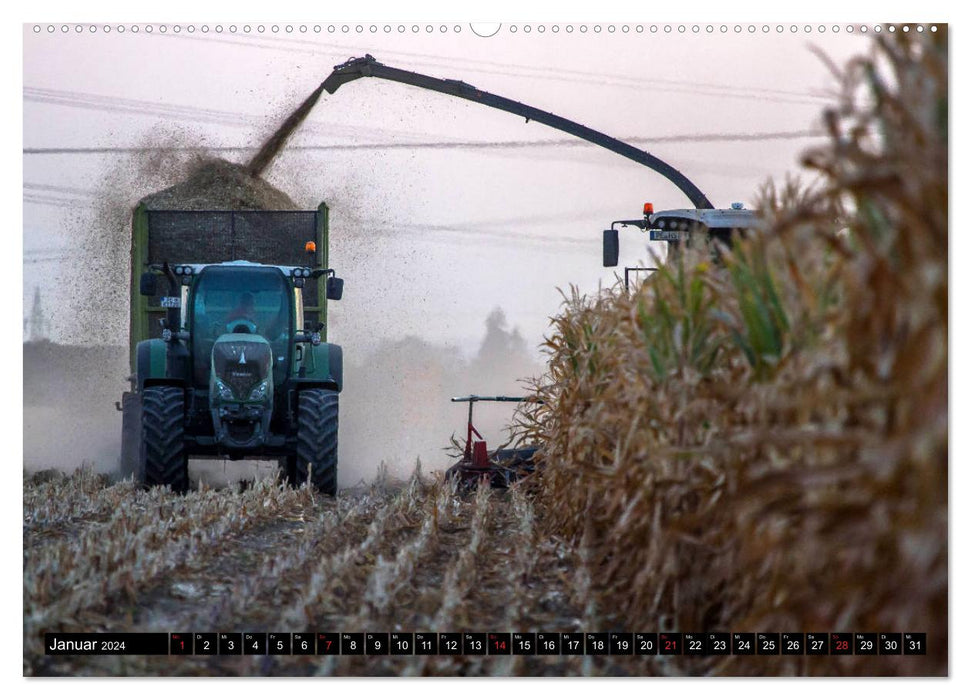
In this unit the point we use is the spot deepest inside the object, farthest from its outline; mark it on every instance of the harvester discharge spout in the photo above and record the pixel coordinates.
(369, 67)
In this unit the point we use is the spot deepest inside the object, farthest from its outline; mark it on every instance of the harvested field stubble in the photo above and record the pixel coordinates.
(763, 445)
(398, 556)
(102, 560)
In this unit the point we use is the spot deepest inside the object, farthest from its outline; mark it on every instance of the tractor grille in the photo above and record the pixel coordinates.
(240, 432)
(243, 376)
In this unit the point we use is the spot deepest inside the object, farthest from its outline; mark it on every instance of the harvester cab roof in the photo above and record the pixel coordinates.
(681, 227)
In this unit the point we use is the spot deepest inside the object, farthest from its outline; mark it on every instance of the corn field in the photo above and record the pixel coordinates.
(760, 441)
(391, 556)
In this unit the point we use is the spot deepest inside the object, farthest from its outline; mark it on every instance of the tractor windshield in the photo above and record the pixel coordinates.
(237, 299)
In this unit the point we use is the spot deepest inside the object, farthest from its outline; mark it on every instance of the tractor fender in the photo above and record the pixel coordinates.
(335, 364)
(150, 357)
(149, 361)
(325, 369)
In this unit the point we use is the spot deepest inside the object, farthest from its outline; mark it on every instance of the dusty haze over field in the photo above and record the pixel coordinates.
(431, 234)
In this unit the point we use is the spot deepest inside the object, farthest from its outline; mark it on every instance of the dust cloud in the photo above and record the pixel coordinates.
(95, 284)
(396, 408)
(70, 387)
(70, 418)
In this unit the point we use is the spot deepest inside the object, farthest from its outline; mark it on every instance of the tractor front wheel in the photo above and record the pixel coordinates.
(163, 458)
(316, 441)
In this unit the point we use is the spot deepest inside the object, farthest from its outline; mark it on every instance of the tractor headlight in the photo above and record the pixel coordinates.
(224, 391)
(260, 391)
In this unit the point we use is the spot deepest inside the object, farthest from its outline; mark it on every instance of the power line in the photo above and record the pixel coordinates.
(433, 145)
(130, 106)
(53, 201)
(482, 231)
(58, 188)
(118, 105)
(472, 62)
(486, 233)
(554, 75)
(44, 251)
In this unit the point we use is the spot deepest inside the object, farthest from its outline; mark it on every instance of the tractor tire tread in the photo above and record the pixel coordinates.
(317, 421)
(163, 456)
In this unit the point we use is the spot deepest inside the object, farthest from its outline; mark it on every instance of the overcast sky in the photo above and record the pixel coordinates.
(429, 237)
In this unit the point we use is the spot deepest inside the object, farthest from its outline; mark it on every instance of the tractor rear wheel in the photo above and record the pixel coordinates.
(316, 441)
(163, 458)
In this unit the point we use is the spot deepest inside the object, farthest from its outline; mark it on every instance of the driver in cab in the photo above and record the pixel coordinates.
(242, 319)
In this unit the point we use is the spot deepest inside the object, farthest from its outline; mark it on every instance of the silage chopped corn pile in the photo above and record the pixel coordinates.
(213, 183)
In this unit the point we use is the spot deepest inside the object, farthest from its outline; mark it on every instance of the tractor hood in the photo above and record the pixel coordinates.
(241, 361)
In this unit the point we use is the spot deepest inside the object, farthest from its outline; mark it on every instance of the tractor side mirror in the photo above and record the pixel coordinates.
(335, 288)
(611, 247)
(147, 284)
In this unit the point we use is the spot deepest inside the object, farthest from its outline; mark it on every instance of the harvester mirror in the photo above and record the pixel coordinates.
(335, 288)
(147, 284)
(611, 247)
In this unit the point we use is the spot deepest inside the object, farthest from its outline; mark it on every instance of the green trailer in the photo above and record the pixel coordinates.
(229, 352)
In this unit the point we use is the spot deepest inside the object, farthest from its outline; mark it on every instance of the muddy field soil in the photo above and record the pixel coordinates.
(406, 556)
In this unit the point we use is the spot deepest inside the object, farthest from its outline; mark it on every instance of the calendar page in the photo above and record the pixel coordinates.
(396, 347)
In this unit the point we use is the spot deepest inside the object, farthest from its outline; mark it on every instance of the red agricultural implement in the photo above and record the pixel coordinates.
(499, 468)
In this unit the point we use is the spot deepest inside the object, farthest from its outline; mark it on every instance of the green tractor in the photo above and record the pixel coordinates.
(229, 359)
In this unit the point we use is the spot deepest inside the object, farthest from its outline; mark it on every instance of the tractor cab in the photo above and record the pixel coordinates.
(242, 317)
(242, 306)
(238, 346)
